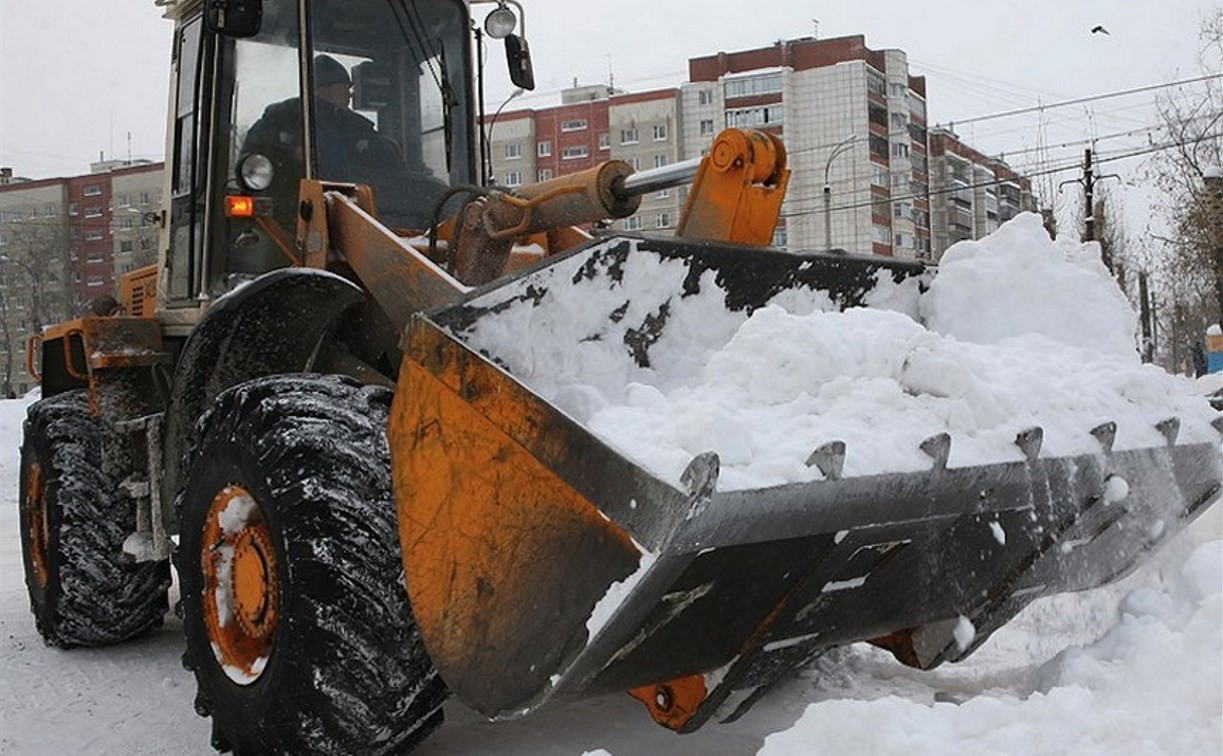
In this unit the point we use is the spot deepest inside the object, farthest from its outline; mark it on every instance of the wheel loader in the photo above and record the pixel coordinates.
(369, 511)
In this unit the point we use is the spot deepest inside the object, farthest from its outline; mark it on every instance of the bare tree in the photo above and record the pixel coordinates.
(35, 285)
(1188, 268)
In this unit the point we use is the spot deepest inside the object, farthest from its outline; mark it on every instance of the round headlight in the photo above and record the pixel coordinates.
(256, 172)
(500, 23)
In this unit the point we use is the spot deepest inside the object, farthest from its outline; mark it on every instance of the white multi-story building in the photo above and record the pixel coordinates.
(854, 125)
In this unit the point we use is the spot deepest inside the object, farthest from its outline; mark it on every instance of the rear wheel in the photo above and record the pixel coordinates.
(297, 619)
(84, 591)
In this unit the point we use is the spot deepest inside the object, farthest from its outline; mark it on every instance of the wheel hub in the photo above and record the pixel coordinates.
(254, 583)
(241, 591)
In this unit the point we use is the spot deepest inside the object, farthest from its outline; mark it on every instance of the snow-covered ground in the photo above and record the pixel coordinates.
(1133, 668)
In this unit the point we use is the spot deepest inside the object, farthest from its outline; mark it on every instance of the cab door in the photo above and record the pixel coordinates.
(193, 56)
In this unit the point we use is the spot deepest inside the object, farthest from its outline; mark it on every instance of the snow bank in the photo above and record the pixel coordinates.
(1015, 331)
(1151, 684)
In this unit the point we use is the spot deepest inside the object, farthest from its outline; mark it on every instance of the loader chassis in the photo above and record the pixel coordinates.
(372, 512)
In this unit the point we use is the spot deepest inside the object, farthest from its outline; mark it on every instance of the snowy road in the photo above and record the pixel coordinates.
(1148, 681)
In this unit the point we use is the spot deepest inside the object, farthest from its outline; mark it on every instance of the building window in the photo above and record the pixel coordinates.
(575, 153)
(93, 212)
(896, 89)
(779, 237)
(146, 244)
(544, 148)
(632, 224)
(93, 234)
(769, 115)
(901, 210)
(513, 151)
(605, 141)
(663, 194)
(753, 85)
(660, 161)
(660, 132)
(123, 200)
(901, 240)
(879, 176)
(663, 220)
(72, 208)
(900, 121)
(545, 174)
(900, 150)
(92, 191)
(628, 136)
(144, 198)
(576, 124)
(94, 281)
(49, 210)
(875, 82)
(634, 163)
(881, 234)
(707, 127)
(125, 246)
(704, 97)
(513, 178)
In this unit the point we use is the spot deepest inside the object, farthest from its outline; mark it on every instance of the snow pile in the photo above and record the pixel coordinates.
(1016, 282)
(1018, 331)
(1152, 684)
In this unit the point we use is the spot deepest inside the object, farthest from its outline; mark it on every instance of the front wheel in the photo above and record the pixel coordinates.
(296, 615)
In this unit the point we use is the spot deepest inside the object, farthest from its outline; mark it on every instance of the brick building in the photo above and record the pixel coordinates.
(64, 242)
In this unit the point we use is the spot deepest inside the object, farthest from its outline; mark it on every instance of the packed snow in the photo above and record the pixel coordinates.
(1015, 331)
(1133, 668)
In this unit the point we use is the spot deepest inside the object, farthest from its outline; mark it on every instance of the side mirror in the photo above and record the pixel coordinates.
(234, 18)
(518, 55)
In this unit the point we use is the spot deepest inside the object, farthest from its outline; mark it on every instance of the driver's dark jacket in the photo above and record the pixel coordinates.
(347, 143)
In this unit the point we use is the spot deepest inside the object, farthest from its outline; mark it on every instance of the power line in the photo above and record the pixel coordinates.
(996, 181)
(1080, 100)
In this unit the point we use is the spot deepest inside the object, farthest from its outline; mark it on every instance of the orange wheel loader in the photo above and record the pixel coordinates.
(368, 511)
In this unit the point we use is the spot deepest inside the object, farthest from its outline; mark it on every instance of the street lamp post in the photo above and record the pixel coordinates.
(841, 147)
(488, 139)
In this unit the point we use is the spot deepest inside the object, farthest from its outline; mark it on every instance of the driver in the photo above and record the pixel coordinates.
(348, 145)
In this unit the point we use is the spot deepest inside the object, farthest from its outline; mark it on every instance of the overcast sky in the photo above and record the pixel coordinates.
(78, 76)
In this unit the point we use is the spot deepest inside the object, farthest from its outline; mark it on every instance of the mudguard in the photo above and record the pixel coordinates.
(275, 324)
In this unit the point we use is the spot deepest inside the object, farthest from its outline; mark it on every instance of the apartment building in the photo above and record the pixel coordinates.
(867, 174)
(64, 242)
(591, 125)
(975, 194)
(854, 123)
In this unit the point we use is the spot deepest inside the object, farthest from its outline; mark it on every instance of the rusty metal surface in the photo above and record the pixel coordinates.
(401, 280)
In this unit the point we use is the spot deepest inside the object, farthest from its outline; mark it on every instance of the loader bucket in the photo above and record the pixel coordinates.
(544, 565)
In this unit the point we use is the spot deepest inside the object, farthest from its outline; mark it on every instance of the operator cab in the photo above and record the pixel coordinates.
(356, 91)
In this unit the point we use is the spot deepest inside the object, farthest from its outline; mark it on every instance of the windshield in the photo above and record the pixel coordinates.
(391, 100)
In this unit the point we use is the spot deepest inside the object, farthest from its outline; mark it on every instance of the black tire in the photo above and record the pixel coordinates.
(84, 591)
(347, 672)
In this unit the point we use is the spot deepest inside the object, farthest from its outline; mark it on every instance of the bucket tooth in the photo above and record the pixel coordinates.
(1106, 434)
(1030, 441)
(938, 449)
(830, 459)
(1170, 428)
(701, 475)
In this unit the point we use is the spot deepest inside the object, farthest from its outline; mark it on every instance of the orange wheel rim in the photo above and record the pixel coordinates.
(36, 516)
(241, 590)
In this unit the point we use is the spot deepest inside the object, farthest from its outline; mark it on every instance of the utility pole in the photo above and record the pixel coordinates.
(1148, 339)
(1089, 180)
(1089, 192)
